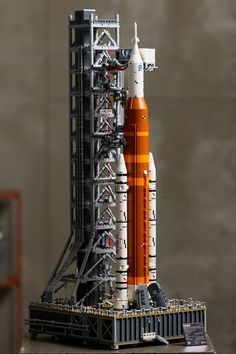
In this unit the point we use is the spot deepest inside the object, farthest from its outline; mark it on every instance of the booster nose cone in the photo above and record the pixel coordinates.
(152, 168)
(120, 165)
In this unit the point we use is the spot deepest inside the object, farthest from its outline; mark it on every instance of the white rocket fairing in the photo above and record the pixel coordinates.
(121, 188)
(135, 69)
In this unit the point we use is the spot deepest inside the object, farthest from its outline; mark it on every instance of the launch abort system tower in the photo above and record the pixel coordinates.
(103, 288)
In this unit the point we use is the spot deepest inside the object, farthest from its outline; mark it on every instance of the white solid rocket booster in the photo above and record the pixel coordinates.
(152, 220)
(121, 188)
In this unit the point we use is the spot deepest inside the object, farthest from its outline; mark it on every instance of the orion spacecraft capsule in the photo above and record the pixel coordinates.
(141, 193)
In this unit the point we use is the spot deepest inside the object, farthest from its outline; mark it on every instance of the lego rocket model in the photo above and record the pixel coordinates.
(104, 288)
(141, 200)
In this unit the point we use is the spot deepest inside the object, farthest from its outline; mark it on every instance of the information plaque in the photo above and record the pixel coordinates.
(194, 334)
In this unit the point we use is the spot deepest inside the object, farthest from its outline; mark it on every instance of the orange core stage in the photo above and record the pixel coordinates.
(136, 153)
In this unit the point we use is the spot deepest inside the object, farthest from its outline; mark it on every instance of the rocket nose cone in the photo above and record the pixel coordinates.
(152, 167)
(151, 159)
(120, 159)
(135, 31)
(135, 38)
(120, 163)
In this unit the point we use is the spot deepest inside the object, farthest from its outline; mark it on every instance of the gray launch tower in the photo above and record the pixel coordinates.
(95, 97)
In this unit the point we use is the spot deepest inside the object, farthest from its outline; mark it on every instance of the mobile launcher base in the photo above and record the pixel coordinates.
(115, 328)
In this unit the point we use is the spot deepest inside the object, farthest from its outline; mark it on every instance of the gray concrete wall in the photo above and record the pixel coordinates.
(192, 116)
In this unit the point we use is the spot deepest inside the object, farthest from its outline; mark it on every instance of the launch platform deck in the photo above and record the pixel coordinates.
(114, 328)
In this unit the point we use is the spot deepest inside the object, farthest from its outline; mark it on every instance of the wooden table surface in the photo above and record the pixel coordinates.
(45, 344)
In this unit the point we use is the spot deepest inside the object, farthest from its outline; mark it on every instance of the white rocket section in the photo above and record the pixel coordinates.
(152, 220)
(135, 70)
(121, 188)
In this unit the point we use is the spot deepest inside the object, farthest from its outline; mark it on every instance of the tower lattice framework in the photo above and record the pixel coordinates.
(85, 267)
